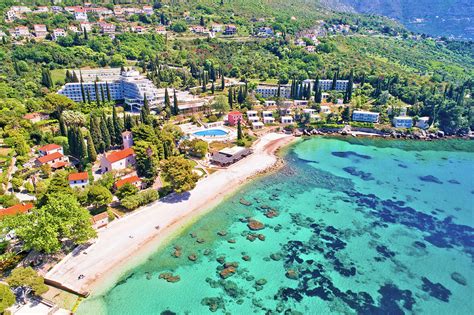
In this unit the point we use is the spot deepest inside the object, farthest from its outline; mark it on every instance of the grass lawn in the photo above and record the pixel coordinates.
(58, 75)
(5, 151)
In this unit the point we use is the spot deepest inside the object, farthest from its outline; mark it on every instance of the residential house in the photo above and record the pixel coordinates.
(257, 125)
(58, 32)
(20, 31)
(364, 116)
(161, 30)
(252, 116)
(50, 149)
(198, 29)
(56, 160)
(40, 30)
(138, 29)
(134, 180)
(217, 28)
(148, 10)
(127, 139)
(325, 109)
(286, 120)
(270, 103)
(36, 117)
(234, 117)
(107, 28)
(41, 10)
(402, 122)
(78, 180)
(118, 160)
(310, 49)
(300, 103)
(230, 29)
(80, 14)
(423, 122)
(74, 29)
(100, 220)
(16, 209)
(86, 26)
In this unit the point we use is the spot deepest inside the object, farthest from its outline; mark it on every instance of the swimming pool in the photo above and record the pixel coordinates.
(210, 133)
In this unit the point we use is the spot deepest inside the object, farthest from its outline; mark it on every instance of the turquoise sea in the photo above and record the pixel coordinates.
(350, 226)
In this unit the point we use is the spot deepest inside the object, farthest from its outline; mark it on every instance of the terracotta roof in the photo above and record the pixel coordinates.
(123, 181)
(31, 115)
(19, 208)
(119, 155)
(79, 176)
(100, 216)
(50, 157)
(235, 113)
(58, 165)
(49, 147)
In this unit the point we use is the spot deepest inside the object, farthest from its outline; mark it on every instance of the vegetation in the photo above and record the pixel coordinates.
(177, 171)
(27, 279)
(7, 298)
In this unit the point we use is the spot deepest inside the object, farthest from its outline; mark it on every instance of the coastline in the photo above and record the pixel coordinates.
(130, 240)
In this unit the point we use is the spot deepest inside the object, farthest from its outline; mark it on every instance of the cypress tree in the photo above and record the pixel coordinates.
(105, 135)
(240, 97)
(143, 116)
(102, 93)
(62, 126)
(88, 96)
(212, 88)
(117, 128)
(74, 77)
(279, 91)
(96, 90)
(83, 94)
(167, 99)
(175, 103)
(81, 146)
(110, 129)
(334, 81)
(68, 76)
(95, 134)
(239, 131)
(91, 152)
(316, 85)
(109, 98)
(348, 95)
(319, 96)
(72, 141)
(146, 106)
(222, 82)
(230, 98)
(86, 37)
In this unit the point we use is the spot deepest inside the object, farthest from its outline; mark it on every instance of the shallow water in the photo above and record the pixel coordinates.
(363, 226)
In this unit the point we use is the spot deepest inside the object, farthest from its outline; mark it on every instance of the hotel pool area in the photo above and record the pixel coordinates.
(211, 133)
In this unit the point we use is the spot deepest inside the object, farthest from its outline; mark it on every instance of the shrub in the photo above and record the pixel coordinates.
(142, 198)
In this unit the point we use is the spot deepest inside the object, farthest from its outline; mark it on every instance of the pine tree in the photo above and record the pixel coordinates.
(62, 126)
(91, 152)
(105, 135)
(175, 104)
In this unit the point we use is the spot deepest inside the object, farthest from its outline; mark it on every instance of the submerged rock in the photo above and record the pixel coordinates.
(245, 202)
(227, 272)
(220, 259)
(200, 240)
(255, 225)
(271, 213)
(246, 258)
(214, 303)
(222, 233)
(177, 252)
(232, 241)
(261, 282)
(261, 237)
(276, 256)
(459, 278)
(291, 274)
(192, 257)
(168, 276)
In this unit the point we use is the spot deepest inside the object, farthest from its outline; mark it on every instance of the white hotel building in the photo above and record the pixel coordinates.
(326, 85)
(364, 116)
(268, 90)
(129, 86)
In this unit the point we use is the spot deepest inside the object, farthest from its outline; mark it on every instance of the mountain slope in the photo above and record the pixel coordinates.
(434, 17)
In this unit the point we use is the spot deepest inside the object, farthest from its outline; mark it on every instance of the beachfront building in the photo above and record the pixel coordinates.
(271, 90)
(257, 125)
(402, 122)
(234, 117)
(16, 209)
(364, 116)
(286, 119)
(50, 149)
(100, 220)
(78, 180)
(128, 86)
(134, 180)
(423, 122)
(228, 156)
(117, 160)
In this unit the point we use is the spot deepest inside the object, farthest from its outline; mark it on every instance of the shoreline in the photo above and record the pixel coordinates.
(105, 262)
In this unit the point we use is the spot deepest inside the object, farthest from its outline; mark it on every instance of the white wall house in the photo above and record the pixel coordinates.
(403, 122)
(78, 180)
(364, 116)
(325, 109)
(286, 120)
(118, 160)
(423, 122)
(270, 103)
(50, 149)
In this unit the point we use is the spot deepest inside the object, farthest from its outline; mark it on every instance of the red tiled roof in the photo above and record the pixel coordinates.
(119, 155)
(19, 208)
(235, 113)
(79, 176)
(49, 147)
(31, 115)
(58, 165)
(50, 157)
(123, 181)
(100, 216)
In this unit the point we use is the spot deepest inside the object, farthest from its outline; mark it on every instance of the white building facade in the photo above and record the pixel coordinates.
(364, 116)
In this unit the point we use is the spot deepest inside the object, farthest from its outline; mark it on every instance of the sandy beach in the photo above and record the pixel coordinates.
(127, 241)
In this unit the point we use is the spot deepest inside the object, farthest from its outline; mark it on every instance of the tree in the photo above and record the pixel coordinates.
(28, 279)
(220, 104)
(178, 172)
(179, 27)
(95, 134)
(117, 127)
(7, 298)
(167, 99)
(346, 114)
(348, 94)
(91, 152)
(126, 190)
(44, 228)
(198, 148)
(98, 196)
(175, 104)
(222, 82)
(230, 98)
(107, 88)
(62, 126)
(239, 131)
(334, 81)
(147, 157)
(104, 131)
(46, 79)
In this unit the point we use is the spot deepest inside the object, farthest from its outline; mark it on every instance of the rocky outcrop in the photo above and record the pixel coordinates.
(255, 225)
(169, 277)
